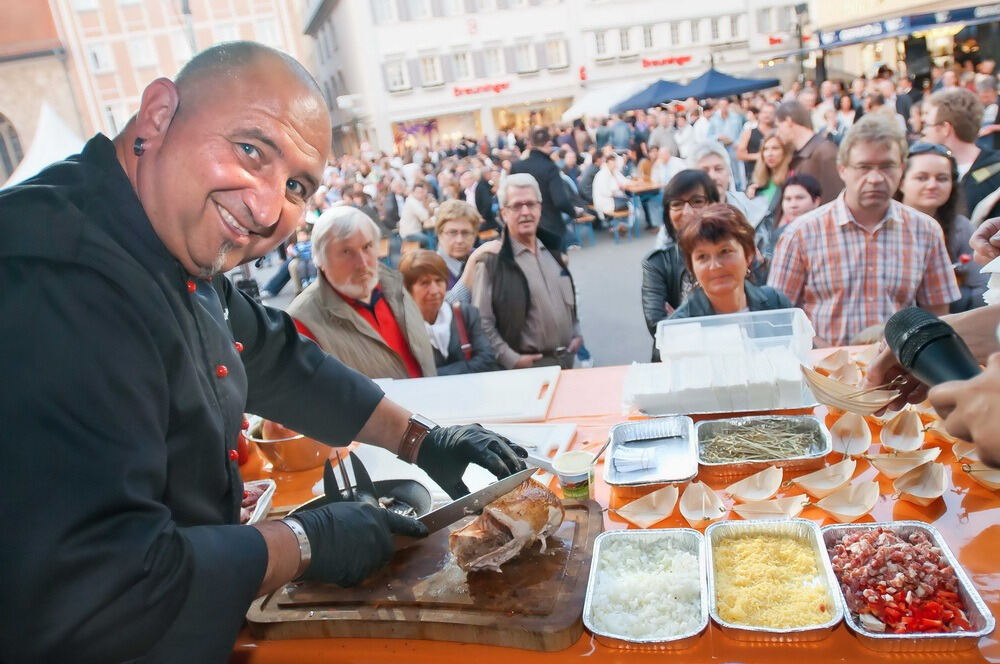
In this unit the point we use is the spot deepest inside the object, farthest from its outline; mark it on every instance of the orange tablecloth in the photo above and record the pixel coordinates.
(967, 516)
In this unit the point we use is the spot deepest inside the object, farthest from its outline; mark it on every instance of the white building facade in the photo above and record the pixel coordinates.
(415, 72)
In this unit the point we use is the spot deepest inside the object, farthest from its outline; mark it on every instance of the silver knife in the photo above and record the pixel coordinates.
(466, 505)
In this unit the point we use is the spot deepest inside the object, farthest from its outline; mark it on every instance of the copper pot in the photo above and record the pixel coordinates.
(286, 450)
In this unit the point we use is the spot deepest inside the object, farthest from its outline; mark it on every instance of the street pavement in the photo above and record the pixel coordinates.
(608, 277)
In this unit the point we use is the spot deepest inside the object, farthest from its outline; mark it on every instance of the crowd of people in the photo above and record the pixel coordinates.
(135, 358)
(849, 199)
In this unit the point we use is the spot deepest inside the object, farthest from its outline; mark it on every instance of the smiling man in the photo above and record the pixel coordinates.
(524, 292)
(130, 360)
(852, 263)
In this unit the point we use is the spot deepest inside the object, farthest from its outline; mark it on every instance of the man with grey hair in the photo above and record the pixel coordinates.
(852, 263)
(814, 155)
(525, 293)
(358, 310)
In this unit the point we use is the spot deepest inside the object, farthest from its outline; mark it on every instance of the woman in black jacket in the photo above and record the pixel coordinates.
(718, 248)
(665, 277)
(454, 329)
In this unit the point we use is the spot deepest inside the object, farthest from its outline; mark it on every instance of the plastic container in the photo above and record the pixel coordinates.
(575, 470)
(756, 330)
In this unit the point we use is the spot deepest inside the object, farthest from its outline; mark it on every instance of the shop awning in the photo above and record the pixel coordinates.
(658, 93)
(598, 103)
(714, 83)
(904, 25)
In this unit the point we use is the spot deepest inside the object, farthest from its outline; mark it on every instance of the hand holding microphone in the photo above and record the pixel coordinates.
(966, 397)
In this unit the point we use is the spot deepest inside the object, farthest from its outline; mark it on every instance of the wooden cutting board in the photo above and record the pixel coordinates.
(536, 603)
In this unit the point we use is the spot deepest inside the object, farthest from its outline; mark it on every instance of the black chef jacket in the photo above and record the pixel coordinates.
(124, 388)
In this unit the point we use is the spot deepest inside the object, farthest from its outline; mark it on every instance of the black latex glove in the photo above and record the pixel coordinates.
(447, 451)
(349, 541)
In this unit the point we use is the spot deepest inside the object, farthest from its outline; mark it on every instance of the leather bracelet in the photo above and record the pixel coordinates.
(305, 549)
(416, 430)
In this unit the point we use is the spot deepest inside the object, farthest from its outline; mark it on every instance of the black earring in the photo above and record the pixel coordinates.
(138, 148)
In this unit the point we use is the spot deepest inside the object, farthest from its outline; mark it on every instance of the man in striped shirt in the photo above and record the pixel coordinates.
(857, 260)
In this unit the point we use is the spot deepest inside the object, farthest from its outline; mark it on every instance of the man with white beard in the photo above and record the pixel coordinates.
(357, 310)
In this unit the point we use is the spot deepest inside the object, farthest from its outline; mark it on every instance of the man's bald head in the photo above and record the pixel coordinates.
(226, 62)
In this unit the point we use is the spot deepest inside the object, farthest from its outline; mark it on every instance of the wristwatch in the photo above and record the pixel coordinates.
(416, 430)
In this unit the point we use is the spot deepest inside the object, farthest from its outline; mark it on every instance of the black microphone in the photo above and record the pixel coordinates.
(928, 347)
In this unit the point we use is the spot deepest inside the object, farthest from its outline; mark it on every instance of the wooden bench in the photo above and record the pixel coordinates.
(408, 246)
(613, 219)
(487, 235)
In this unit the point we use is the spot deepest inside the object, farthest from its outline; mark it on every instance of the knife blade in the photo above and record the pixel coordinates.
(471, 504)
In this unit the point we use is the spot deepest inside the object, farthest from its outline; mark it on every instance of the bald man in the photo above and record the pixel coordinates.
(130, 359)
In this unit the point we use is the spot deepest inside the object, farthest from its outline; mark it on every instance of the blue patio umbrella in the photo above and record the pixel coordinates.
(714, 83)
(657, 93)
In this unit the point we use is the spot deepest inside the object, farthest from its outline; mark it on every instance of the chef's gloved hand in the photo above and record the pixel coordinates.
(349, 540)
(447, 451)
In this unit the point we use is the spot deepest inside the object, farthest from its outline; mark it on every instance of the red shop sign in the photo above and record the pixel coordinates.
(489, 87)
(672, 60)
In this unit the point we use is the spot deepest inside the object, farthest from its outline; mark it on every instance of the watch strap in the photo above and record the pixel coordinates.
(416, 431)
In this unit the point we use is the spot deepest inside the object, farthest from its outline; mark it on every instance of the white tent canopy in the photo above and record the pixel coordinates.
(54, 141)
(596, 103)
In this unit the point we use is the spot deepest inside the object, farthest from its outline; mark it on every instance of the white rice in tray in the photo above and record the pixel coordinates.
(648, 589)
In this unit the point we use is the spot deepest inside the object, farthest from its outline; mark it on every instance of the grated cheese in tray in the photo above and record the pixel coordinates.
(769, 581)
(646, 589)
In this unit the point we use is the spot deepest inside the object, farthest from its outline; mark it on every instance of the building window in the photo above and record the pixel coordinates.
(419, 9)
(430, 70)
(180, 46)
(129, 2)
(695, 31)
(493, 61)
(84, 5)
(519, 4)
(675, 34)
(116, 116)
(463, 65)
(524, 57)
(100, 58)
(226, 32)
(142, 52)
(11, 153)
(713, 26)
(484, 5)
(624, 43)
(785, 17)
(734, 26)
(382, 10)
(395, 75)
(451, 7)
(267, 33)
(764, 20)
(555, 54)
(600, 43)
(647, 36)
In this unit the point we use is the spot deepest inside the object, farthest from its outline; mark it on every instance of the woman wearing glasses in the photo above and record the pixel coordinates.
(666, 280)
(455, 332)
(456, 224)
(930, 185)
(718, 249)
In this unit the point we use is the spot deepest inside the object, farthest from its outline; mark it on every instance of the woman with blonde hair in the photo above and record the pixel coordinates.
(772, 168)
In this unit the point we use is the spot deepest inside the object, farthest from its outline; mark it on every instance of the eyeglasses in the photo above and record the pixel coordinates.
(530, 206)
(456, 233)
(696, 202)
(922, 147)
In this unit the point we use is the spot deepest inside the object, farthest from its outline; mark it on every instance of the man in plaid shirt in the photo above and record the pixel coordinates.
(860, 258)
